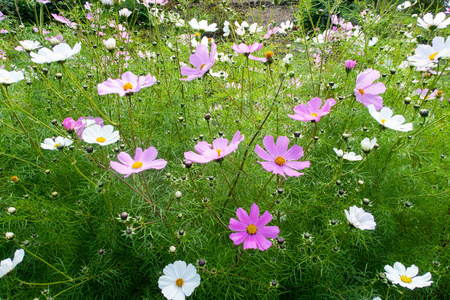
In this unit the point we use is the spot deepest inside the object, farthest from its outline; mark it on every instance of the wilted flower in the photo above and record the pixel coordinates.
(358, 218)
(407, 277)
(129, 83)
(178, 280)
(143, 160)
(7, 265)
(385, 118)
(280, 160)
(349, 65)
(217, 151)
(252, 230)
(366, 91)
(312, 111)
(124, 12)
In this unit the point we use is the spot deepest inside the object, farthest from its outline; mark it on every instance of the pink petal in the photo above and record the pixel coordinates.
(148, 155)
(296, 152)
(265, 218)
(250, 242)
(262, 243)
(269, 144)
(238, 237)
(243, 216)
(263, 154)
(282, 145)
(269, 231)
(235, 225)
(254, 213)
(125, 158)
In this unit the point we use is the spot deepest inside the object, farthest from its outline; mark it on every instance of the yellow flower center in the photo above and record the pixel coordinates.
(218, 152)
(280, 160)
(252, 229)
(101, 139)
(56, 145)
(439, 93)
(406, 279)
(432, 56)
(202, 66)
(127, 86)
(383, 120)
(137, 165)
(361, 91)
(179, 282)
(269, 54)
(197, 34)
(313, 114)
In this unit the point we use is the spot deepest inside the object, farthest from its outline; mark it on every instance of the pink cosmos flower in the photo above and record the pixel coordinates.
(280, 160)
(218, 150)
(349, 65)
(142, 161)
(424, 94)
(246, 50)
(202, 60)
(252, 230)
(366, 91)
(312, 111)
(153, 2)
(129, 83)
(270, 32)
(65, 21)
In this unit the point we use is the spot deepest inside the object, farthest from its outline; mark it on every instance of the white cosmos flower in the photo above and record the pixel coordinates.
(367, 144)
(351, 156)
(124, 12)
(285, 26)
(254, 28)
(385, 118)
(373, 41)
(407, 277)
(358, 218)
(428, 22)
(8, 78)
(203, 25)
(428, 56)
(226, 28)
(178, 280)
(405, 5)
(28, 45)
(60, 52)
(339, 152)
(95, 134)
(110, 44)
(7, 265)
(240, 28)
(50, 144)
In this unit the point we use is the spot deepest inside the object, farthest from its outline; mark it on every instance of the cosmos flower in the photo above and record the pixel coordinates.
(7, 265)
(438, 22)
(347, 156)
(65, 21)
(428, 56)
(366, 91)
(312, 111)
(28, 45)
(202, 60)
(349, 65)
(407, 277)
(358, 218)
(95, 134)
(367, 144)
(385, 118)
(50, 144)
(59, 53)
(178, 280)
(154, 2)
(142, 161)
(280, 160)
(247, 50)
(128, 83)
(7, 78)
(203, 25)
(217, 151)
(252, 230)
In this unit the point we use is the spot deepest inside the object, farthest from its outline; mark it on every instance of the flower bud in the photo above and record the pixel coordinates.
(178, 194)
(9, 235)
(110, 44)
(172, 249)
(12, 210)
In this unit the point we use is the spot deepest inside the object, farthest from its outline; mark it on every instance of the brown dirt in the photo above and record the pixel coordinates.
(251, 12)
